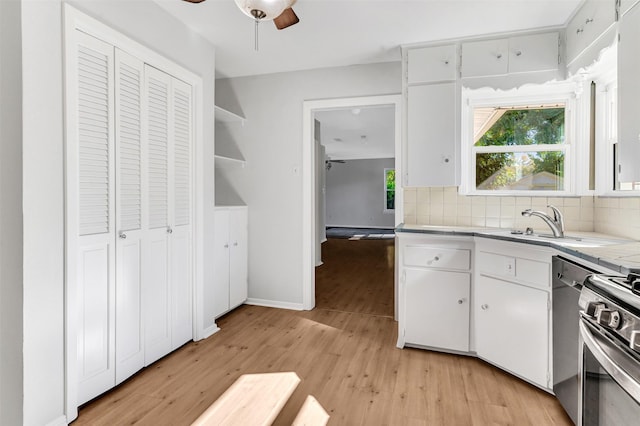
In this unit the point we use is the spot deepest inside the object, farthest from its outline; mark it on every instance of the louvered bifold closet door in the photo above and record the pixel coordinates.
(155, 267)
(129, 74)
(90, 199)
(180, 215)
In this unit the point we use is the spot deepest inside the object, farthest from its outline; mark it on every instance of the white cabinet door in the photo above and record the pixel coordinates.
(512, 328)
(238, 286)
(128, 115)
(155, 272)
(485, 58)
(221, 256)
(230, 258)
(628, 95)
(90, 189)
(180, 213)
(432, 64)
(537, 52)
(589, 23)
(437, 308)
(430, 155)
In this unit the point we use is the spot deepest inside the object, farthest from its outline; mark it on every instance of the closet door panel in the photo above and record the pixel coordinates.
(180, 212)
(221, 262)
(155, 271)
(129, 73)
(90, 185)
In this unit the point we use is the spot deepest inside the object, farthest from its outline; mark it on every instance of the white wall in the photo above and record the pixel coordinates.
(145, 22)
(355, 193)
(10, 214)
(271, 184)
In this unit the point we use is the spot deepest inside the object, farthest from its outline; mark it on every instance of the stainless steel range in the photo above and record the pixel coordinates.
(610, 350)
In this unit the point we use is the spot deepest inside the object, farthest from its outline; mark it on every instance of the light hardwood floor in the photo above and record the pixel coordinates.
(344, 352)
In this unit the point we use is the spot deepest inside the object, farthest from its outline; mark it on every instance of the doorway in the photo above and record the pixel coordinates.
(311, 239)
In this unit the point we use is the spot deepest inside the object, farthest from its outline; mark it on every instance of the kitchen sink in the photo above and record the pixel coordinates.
(566, 241)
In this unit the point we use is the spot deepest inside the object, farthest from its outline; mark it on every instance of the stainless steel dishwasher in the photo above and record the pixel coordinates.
(568, 277)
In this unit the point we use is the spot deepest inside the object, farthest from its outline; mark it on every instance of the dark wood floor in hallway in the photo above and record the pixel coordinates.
(344, 352)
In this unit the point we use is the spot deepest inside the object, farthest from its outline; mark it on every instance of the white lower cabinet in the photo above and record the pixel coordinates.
(479, 296)
(434, 293)
(437, 309)
(512, 305)
(230, 258)
(512, 328)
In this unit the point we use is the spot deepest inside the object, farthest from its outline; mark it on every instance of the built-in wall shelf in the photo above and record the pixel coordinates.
(226, 116)
(223, 159)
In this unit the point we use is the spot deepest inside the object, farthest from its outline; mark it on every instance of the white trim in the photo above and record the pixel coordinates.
(77, 20)
(59, 421)
(210, 331)
(275, 304)
(308, 181)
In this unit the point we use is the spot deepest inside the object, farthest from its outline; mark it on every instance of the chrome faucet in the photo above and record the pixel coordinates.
(556, 223)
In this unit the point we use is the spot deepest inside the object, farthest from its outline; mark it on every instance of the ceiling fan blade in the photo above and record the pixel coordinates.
(286, 19)
(194, 1)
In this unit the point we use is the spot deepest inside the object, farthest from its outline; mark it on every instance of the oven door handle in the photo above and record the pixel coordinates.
(611, 358)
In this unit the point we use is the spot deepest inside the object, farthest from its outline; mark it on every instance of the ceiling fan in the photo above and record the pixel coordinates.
(278, 11)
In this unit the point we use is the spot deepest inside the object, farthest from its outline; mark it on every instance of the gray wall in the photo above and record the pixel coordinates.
(10, 214)
(355, 193)
(43, 173)
(271, 184)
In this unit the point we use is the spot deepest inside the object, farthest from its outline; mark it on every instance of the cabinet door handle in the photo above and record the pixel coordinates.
(169, 230)
(235, 244)
(122, 235)
(484, 307)
(460, 301)
(226, 246)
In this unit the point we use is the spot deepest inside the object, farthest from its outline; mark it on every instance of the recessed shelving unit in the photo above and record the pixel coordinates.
(227, 152)
(225, 116)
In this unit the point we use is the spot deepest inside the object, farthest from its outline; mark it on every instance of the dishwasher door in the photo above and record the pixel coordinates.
(568, 277)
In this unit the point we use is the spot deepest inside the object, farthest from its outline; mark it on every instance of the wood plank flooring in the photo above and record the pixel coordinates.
(344, 352)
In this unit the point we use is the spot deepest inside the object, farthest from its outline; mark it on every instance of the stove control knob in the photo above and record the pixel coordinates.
(634, 341)
(609, 318)
(593, 308)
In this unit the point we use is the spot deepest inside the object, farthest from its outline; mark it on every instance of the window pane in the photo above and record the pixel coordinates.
(391, 200)
(515, 171)
(518, 126)
(390, 179)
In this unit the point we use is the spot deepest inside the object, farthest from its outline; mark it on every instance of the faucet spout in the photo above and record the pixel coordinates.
(556, 223)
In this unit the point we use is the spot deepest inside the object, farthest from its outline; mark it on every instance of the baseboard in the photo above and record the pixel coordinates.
(275, 304)
(210, 331)
(361, 226)
(60, 421)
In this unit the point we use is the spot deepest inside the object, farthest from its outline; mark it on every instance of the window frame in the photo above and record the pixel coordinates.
(549, 93)
(386, 191)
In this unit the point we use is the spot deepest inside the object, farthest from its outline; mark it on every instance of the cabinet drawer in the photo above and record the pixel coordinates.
(435, 257)
(432, 64)
(527, 271)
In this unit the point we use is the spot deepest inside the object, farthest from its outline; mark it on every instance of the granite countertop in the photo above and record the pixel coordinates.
(618, 254)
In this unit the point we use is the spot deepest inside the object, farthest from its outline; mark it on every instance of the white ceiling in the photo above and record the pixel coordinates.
(347, 32)
(360, 133)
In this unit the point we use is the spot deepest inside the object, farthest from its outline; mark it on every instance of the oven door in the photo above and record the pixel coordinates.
(610, 391)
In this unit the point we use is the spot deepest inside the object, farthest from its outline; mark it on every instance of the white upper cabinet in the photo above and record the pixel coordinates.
(628, 95)
(585, 34)
(431, 137)
(528, 53)
(432, 64)
(538, 52)
(483, 58)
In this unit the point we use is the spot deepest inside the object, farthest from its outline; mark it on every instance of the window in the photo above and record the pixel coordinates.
(519, 148)
(390, 189)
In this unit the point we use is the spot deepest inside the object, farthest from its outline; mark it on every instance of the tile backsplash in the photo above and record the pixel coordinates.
(444, 206)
